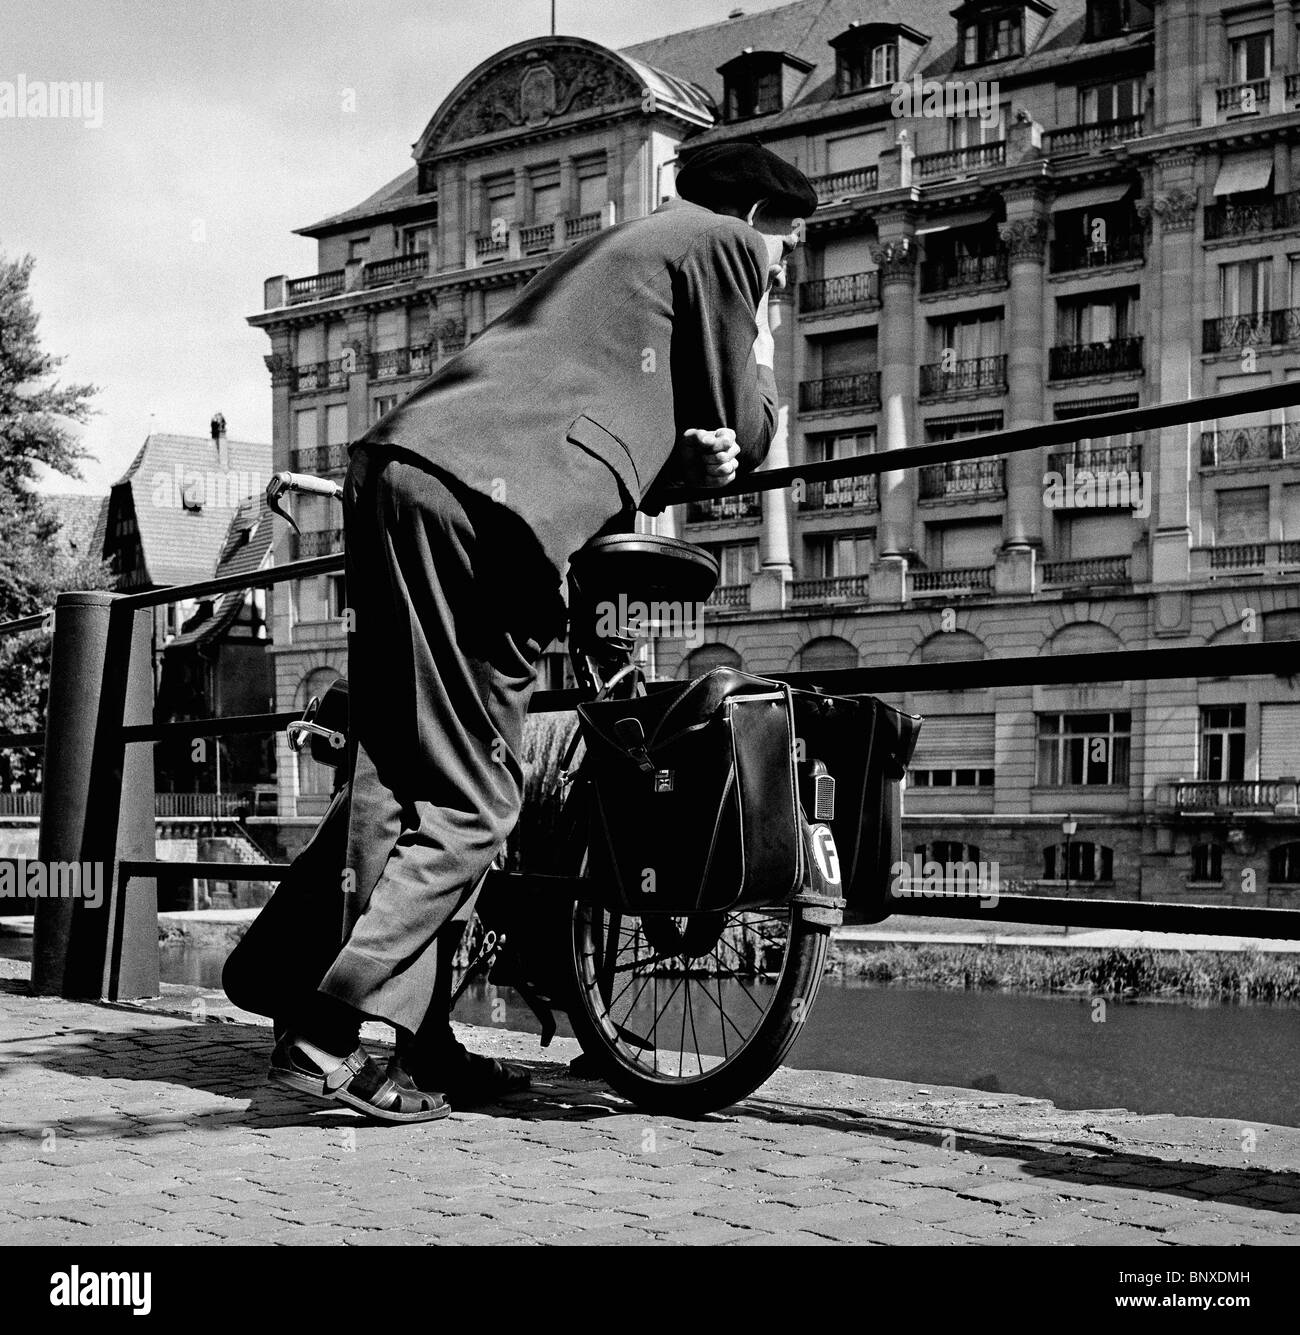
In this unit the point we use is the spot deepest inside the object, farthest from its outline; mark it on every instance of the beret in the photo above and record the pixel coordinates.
(741, 172)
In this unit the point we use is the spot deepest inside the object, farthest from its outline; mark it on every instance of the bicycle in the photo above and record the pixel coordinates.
(682, 1013)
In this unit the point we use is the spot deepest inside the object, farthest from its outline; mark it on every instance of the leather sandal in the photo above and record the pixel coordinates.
(355, 1080)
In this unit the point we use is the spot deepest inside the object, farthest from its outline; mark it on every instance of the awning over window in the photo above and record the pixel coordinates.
(1092, 197)
(958, 741)
(971, 218)
(1247, 172)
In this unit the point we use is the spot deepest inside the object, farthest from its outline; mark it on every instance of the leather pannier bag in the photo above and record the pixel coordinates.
(694, 802)
(866, 746)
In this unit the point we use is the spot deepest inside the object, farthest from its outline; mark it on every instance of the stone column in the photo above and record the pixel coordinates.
(523, 197)
(568, 188)
(1170, 355)
(356, 362)
(770, 584)
(1024, 234)
(895, 255)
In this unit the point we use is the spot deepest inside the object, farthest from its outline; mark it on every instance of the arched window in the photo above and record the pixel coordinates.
(948, 850)
(314, 779)
(1284, 865)
(1207, 863)
(827, 654)
(710, 656)
(1087, 862)
(954, 646)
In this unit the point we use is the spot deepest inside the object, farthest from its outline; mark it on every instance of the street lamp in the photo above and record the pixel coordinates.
(1068, 826)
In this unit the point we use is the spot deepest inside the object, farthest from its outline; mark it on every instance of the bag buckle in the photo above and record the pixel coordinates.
(631, 736)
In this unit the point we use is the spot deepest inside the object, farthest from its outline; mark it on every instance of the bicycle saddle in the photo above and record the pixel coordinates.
(643, 567)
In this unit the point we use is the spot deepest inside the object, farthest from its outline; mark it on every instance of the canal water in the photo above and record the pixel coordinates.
(1198, 1059)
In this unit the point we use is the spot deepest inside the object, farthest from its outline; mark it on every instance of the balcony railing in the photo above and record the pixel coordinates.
(1250, 555)
(841, 493)
(321, 542)
(320, 375)
(968, 375)
(1091, 136)
(948, 275)
(730, 596)
(488, 248)
(840, 391)
(958, 161)
(969, 580)
(1262, 795)
(832, 588)
(314, 286)
(1271, 215)
(1101, 460)
(723, 509)
(1251, 96)
(1068, 361)
(969, 478)
(845, 185)
(390, 363)
(1262, 329)
(320, 459)
(396, 270)
(585, 224)
(1091, 570)
(1075, 254)
(1249, 444)
(853, 291)
(538, 239)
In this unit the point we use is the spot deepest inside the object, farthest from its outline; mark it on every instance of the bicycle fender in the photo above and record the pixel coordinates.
(819, 900)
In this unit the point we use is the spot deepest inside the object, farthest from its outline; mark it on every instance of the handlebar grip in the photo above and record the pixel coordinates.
(305, 483)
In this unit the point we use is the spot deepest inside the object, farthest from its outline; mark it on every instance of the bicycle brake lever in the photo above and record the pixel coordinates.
(274, 490)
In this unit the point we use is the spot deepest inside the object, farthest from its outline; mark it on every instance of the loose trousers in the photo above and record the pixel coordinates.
(451, 602)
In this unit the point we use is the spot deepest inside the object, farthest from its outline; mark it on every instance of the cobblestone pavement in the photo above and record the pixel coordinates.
(155, 1124)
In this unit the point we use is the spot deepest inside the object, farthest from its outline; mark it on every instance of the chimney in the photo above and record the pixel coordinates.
(219, 438)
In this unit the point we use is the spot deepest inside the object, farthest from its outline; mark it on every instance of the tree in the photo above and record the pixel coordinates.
(36, 414)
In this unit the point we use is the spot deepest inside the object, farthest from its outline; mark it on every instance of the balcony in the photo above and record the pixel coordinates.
(830, 589)
(841, 493)
(1101, 461)
(488, 249)
(395, 362)
(837, 186)
(323, 542)
(970, 375)
(538, 239)
(951, 582)
(1262, 329)
(1089, 572)
(951, 275)
(724, 509)
(397, 270)
(841, 393)
(854, 291)
(1116, 356)
(320, 459)
(967, 480)
(584, 225)
(1265, 797)
(1241, 556)
(1068, 256)
(1245, 99)
(1249, 444)
(1088, 138)
(729, 597)
(314, 287)
(319, 375)
(1223, 221)
(959, 161)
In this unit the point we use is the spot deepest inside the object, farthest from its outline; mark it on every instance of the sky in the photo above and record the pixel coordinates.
(223, 127)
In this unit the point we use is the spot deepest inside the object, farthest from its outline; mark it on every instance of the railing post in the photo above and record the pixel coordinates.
(98, 805)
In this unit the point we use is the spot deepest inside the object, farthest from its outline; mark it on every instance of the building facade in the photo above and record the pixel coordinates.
(1028, 213)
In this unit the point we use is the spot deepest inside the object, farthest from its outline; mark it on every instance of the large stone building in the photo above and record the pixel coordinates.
(1030, 212)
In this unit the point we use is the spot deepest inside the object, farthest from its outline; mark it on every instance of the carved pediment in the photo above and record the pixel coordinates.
(522, 92)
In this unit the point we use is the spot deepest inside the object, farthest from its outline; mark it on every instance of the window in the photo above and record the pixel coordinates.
(1223, 743)
(950, 778)
(839, 555)
(957, 754)
(1076, 750)
(593, 185)
(1113, 101)
(358, 248)
(827, 654)
(967, 337)
(304, 429)
(965, 546)
(737, 561)
(499, 199)
(1241, 516)
(946, 851)
(752, 86)
(545, 183)
(334, 595)
(1207, 863)
(1097, 319)
(958, 428)
(996, 36)
(390, 331)
(972, 131)
(884, 63)
(417, 239)
(710, 656)
(1099, 453)
(1110, 18)
(310, 347)
(1085, 861)
(1250, 58)
(848, 354)
(1244, 287)
(384, 404)
(336, 424)
(1284, 865)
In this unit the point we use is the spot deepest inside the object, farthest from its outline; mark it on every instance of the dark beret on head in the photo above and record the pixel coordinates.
(740, 172)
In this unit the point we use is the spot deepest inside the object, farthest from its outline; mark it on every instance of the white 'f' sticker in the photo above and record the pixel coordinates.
(828, 860)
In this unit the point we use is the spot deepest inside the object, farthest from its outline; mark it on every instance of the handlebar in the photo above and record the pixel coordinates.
(283, 483)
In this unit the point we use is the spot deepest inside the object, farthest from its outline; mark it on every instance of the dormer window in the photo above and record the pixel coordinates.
(1113, 18)
(993, 36)
(758, 83)
(873, 55)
